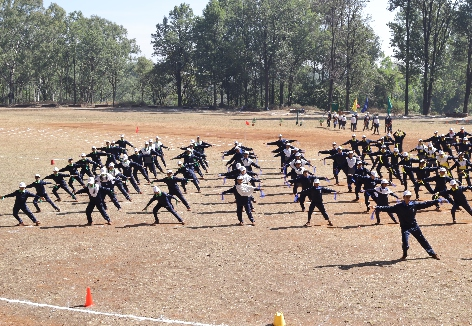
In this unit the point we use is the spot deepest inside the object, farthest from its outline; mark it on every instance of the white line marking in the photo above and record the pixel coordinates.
(160, 319)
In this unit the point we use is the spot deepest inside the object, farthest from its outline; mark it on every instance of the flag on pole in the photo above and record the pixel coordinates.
(354, 106)
(389, 105)
(366, 105)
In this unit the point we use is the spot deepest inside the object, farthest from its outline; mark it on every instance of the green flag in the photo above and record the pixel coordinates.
(389, 106)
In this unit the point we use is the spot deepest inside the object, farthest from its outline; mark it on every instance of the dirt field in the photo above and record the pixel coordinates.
(211, 271)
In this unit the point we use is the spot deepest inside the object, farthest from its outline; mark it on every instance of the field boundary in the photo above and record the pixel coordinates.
(108, 314)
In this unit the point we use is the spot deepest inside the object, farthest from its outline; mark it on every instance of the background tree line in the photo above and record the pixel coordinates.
(252, 53)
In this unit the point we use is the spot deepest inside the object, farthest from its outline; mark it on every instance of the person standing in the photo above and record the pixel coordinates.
(460, 200)
(243, 193)
(406, 213)
(163, 201)
(380, 196)
(315, 193)
(39, 185)
(96, 195)
(21, 196)
(172, 185)
(59, 179)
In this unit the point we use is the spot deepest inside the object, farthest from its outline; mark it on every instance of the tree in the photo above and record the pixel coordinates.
(173, 43)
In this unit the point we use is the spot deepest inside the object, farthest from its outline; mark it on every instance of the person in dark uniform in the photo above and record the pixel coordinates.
(380, 197)
(84, 165)
(305, 181)
(122, 143)
(72, 168)
(40, 186)
(243, 193)
(21, 196)
(457, 194)
(421, 173)
(366, 122)
(173, 187)
(188, 174)
(58, 178)
(406, 213)
(339, 163)
(388, 123)
(462, 164)
(382, 160)
(399, 136)
(127, 167)
(328, 119)
(315, 193)
(96, 195)
(138, 159)
(441, 181)
(163, 201)
(95, 156)
(354, 144)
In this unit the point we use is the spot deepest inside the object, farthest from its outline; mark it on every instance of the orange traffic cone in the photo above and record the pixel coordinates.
(52, 162)
(88, 298)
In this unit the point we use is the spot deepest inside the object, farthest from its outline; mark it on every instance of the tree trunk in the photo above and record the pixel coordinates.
(407, 57)
(178, 82)
(468, 83)
(281, 93)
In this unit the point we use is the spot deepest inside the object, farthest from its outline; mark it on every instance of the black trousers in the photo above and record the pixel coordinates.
(416, 232)
(91, 205)
(320, 207)
(45, 196)
(169, 209)
(25, 209)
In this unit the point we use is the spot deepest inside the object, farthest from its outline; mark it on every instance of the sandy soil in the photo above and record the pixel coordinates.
(212, 271)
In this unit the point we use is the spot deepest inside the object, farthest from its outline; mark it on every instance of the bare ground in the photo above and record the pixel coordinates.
(212, 271)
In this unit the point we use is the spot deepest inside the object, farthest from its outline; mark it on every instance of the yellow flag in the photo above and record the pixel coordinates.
(354, 106)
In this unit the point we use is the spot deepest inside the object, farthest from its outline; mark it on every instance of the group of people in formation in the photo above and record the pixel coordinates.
(340, 120)
(108, 170)
(439, 163)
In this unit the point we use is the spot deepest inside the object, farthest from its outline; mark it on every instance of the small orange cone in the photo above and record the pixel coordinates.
(52, 162)
(279, 319)
(88, 298)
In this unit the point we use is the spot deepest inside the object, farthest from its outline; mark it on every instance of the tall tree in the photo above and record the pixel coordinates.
(173, 43)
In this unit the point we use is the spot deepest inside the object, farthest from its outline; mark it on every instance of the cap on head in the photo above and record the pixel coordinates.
(465, 138)
(316, 181)
(441, 153)
(453, 182)
(238, 165)
(70, 159)
(396, 150)
(350, 152)
(298, 162)
(94, 147)
(91, 181)
(462, 128)
(107, 141)
(373, 173)
(156, 189)
(364, 136)
(353, 135)
(384, 181)
(146, 143)
(125, 157)
(359, 162)
(179, 163)
(288, 144)
(280, 135)
(451, 129)
(157, 137)
(37, 176)
(435, 132)
(240, 177)
(56, 169)
(136, 150)
(420, 140)
(422, 161)
(82, 155)
(246, 153)
(103, 171)
(22, 185)
(405, 154)
(122, 136)
(298, 154)
(334, 143)
(242, 168)
(169, 172)
(339, 148)
(111, 164)
(442, 169)
(406, 193)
